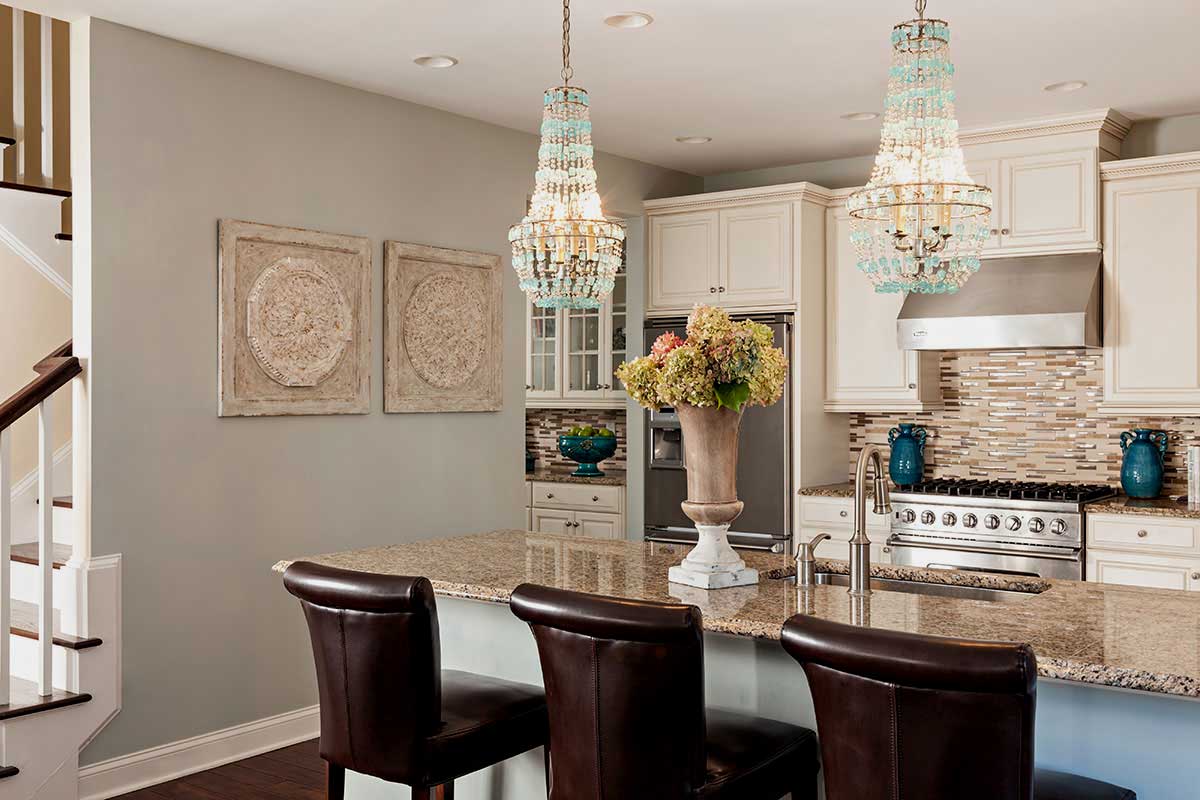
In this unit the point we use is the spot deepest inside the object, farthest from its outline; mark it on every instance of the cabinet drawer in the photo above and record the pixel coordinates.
(1143, 533)
(838, 512)
(578, 496)
(1136, 569)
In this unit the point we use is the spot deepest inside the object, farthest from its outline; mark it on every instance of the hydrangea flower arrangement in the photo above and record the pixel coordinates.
(722, 363)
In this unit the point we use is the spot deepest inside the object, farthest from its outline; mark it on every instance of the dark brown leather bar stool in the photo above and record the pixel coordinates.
(388, 709)
(905, 715)
(625, 685)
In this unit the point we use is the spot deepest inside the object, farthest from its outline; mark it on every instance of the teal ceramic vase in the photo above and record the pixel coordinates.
(1142, 466)
(907, 463)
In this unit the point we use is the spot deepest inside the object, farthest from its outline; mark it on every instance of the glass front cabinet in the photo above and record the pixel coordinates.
(571, 353)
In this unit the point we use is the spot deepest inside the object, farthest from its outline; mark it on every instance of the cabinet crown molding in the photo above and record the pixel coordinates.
(781, 192)
(1175, 164)
(1104, 120)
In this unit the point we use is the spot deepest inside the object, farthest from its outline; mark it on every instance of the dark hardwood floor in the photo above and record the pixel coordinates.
(293, 773)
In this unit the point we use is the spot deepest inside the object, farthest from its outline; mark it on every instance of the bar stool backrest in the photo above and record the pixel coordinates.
(906, 715)
(625, 690)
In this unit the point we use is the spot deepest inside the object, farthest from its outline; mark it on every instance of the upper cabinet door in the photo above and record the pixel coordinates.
(1050, 202)
(542, 352)
(585, 370)
(617, 337)
(865, 368)
(683, 267)
(987, 173)
(756, 255)
(1152, 295)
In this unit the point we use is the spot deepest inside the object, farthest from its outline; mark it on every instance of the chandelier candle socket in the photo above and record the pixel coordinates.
(920, 223)
(565, 253)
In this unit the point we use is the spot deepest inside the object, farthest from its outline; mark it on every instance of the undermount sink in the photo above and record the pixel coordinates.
(933, 589)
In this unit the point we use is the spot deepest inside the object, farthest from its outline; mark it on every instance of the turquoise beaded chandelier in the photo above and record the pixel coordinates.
(565, 252)
(920, 223)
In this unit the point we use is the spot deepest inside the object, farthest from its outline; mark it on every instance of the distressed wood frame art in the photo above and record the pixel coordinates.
(442, 335)
(295, 321)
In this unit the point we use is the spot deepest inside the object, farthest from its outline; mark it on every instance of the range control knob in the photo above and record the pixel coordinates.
(1013, 523)
(991, 522)
(1036, 525)
(970, 520)
(1058, 527)
(948, 519)
(928, 517)
(908, 515)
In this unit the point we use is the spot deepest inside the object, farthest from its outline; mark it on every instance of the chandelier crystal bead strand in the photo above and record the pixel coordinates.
(566, 254)
(920, 223)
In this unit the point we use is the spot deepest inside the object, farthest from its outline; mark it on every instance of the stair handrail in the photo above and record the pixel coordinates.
(55, 371)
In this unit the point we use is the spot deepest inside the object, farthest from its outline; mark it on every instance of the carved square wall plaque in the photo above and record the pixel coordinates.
(295, 321)
(442, 339)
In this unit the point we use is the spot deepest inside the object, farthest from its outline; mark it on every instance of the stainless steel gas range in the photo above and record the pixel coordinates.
(993, 526)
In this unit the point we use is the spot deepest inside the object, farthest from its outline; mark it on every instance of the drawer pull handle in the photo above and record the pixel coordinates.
(549, 495)
(1196, 576)
(1004, 231)
(843, 513)
(887, 549)
(595, 498)
(1142, 534)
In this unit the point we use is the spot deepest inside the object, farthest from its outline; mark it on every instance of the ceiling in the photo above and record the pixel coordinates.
(767, 79)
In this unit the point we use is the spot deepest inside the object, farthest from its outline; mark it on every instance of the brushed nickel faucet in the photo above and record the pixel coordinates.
(860, 545)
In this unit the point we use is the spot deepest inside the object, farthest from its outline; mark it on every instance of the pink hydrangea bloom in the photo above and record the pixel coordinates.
(663, 345)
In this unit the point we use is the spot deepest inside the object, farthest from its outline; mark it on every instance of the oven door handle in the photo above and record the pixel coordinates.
(765, 548)
(894, 542)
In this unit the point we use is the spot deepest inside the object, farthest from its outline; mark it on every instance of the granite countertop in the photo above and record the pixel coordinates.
(1128, 637)
(611, 477)
(1158, 506)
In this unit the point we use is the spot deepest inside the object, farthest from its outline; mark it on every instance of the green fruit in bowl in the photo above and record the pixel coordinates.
(606, 433)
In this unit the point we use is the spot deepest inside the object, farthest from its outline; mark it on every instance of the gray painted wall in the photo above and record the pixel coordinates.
(202, 507)
(1152, 137)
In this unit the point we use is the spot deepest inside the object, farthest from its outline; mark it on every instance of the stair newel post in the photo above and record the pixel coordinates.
(5, 563)
(45, 550)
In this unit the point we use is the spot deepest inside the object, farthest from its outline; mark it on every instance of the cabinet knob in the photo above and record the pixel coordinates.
(994, 231)
(1142, 534)
(720, 288)
(575, 524)
(912, 386)
(1004, 231)
(549, 495)
(595, 498)
(843, 513)
(887, 549)
(528, 387)
(1196, 576)
(712, 289)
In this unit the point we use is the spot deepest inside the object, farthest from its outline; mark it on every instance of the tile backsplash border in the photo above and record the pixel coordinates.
(543, 426)
(1027, 415)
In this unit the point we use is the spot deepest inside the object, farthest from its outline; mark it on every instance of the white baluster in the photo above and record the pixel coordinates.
(5, 564)
(45, 550)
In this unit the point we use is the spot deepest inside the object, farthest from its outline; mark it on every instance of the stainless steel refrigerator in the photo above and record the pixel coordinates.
(764, 461)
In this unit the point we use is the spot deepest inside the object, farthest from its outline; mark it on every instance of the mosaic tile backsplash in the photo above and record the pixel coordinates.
(1028, 415)
(544, 425)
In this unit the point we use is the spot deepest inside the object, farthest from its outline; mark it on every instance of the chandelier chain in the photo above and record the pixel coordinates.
(567, 71)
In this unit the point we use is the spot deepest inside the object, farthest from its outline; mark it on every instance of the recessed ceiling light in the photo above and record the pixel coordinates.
(1065, 86)
(861, 116)
(630, 19)
(435, 62)
(693, 139)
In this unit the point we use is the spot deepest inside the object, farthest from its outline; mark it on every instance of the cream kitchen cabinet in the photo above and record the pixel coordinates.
(1152, 286)
(1144, 550)
(737, 252)
(570, 353)
(865, 368)
(577, 509)
(1043, 202)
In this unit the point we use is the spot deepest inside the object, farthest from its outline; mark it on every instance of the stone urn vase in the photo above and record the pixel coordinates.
(710, 452)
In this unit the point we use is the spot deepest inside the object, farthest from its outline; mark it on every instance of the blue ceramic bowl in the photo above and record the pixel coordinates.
(587, 451)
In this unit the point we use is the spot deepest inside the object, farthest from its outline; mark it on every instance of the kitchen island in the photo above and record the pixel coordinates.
(1120, 665)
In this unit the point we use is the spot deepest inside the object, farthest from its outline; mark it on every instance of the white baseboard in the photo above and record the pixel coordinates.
(124, 774)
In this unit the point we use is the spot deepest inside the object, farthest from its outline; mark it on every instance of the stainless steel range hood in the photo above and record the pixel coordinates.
(1025, 302)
